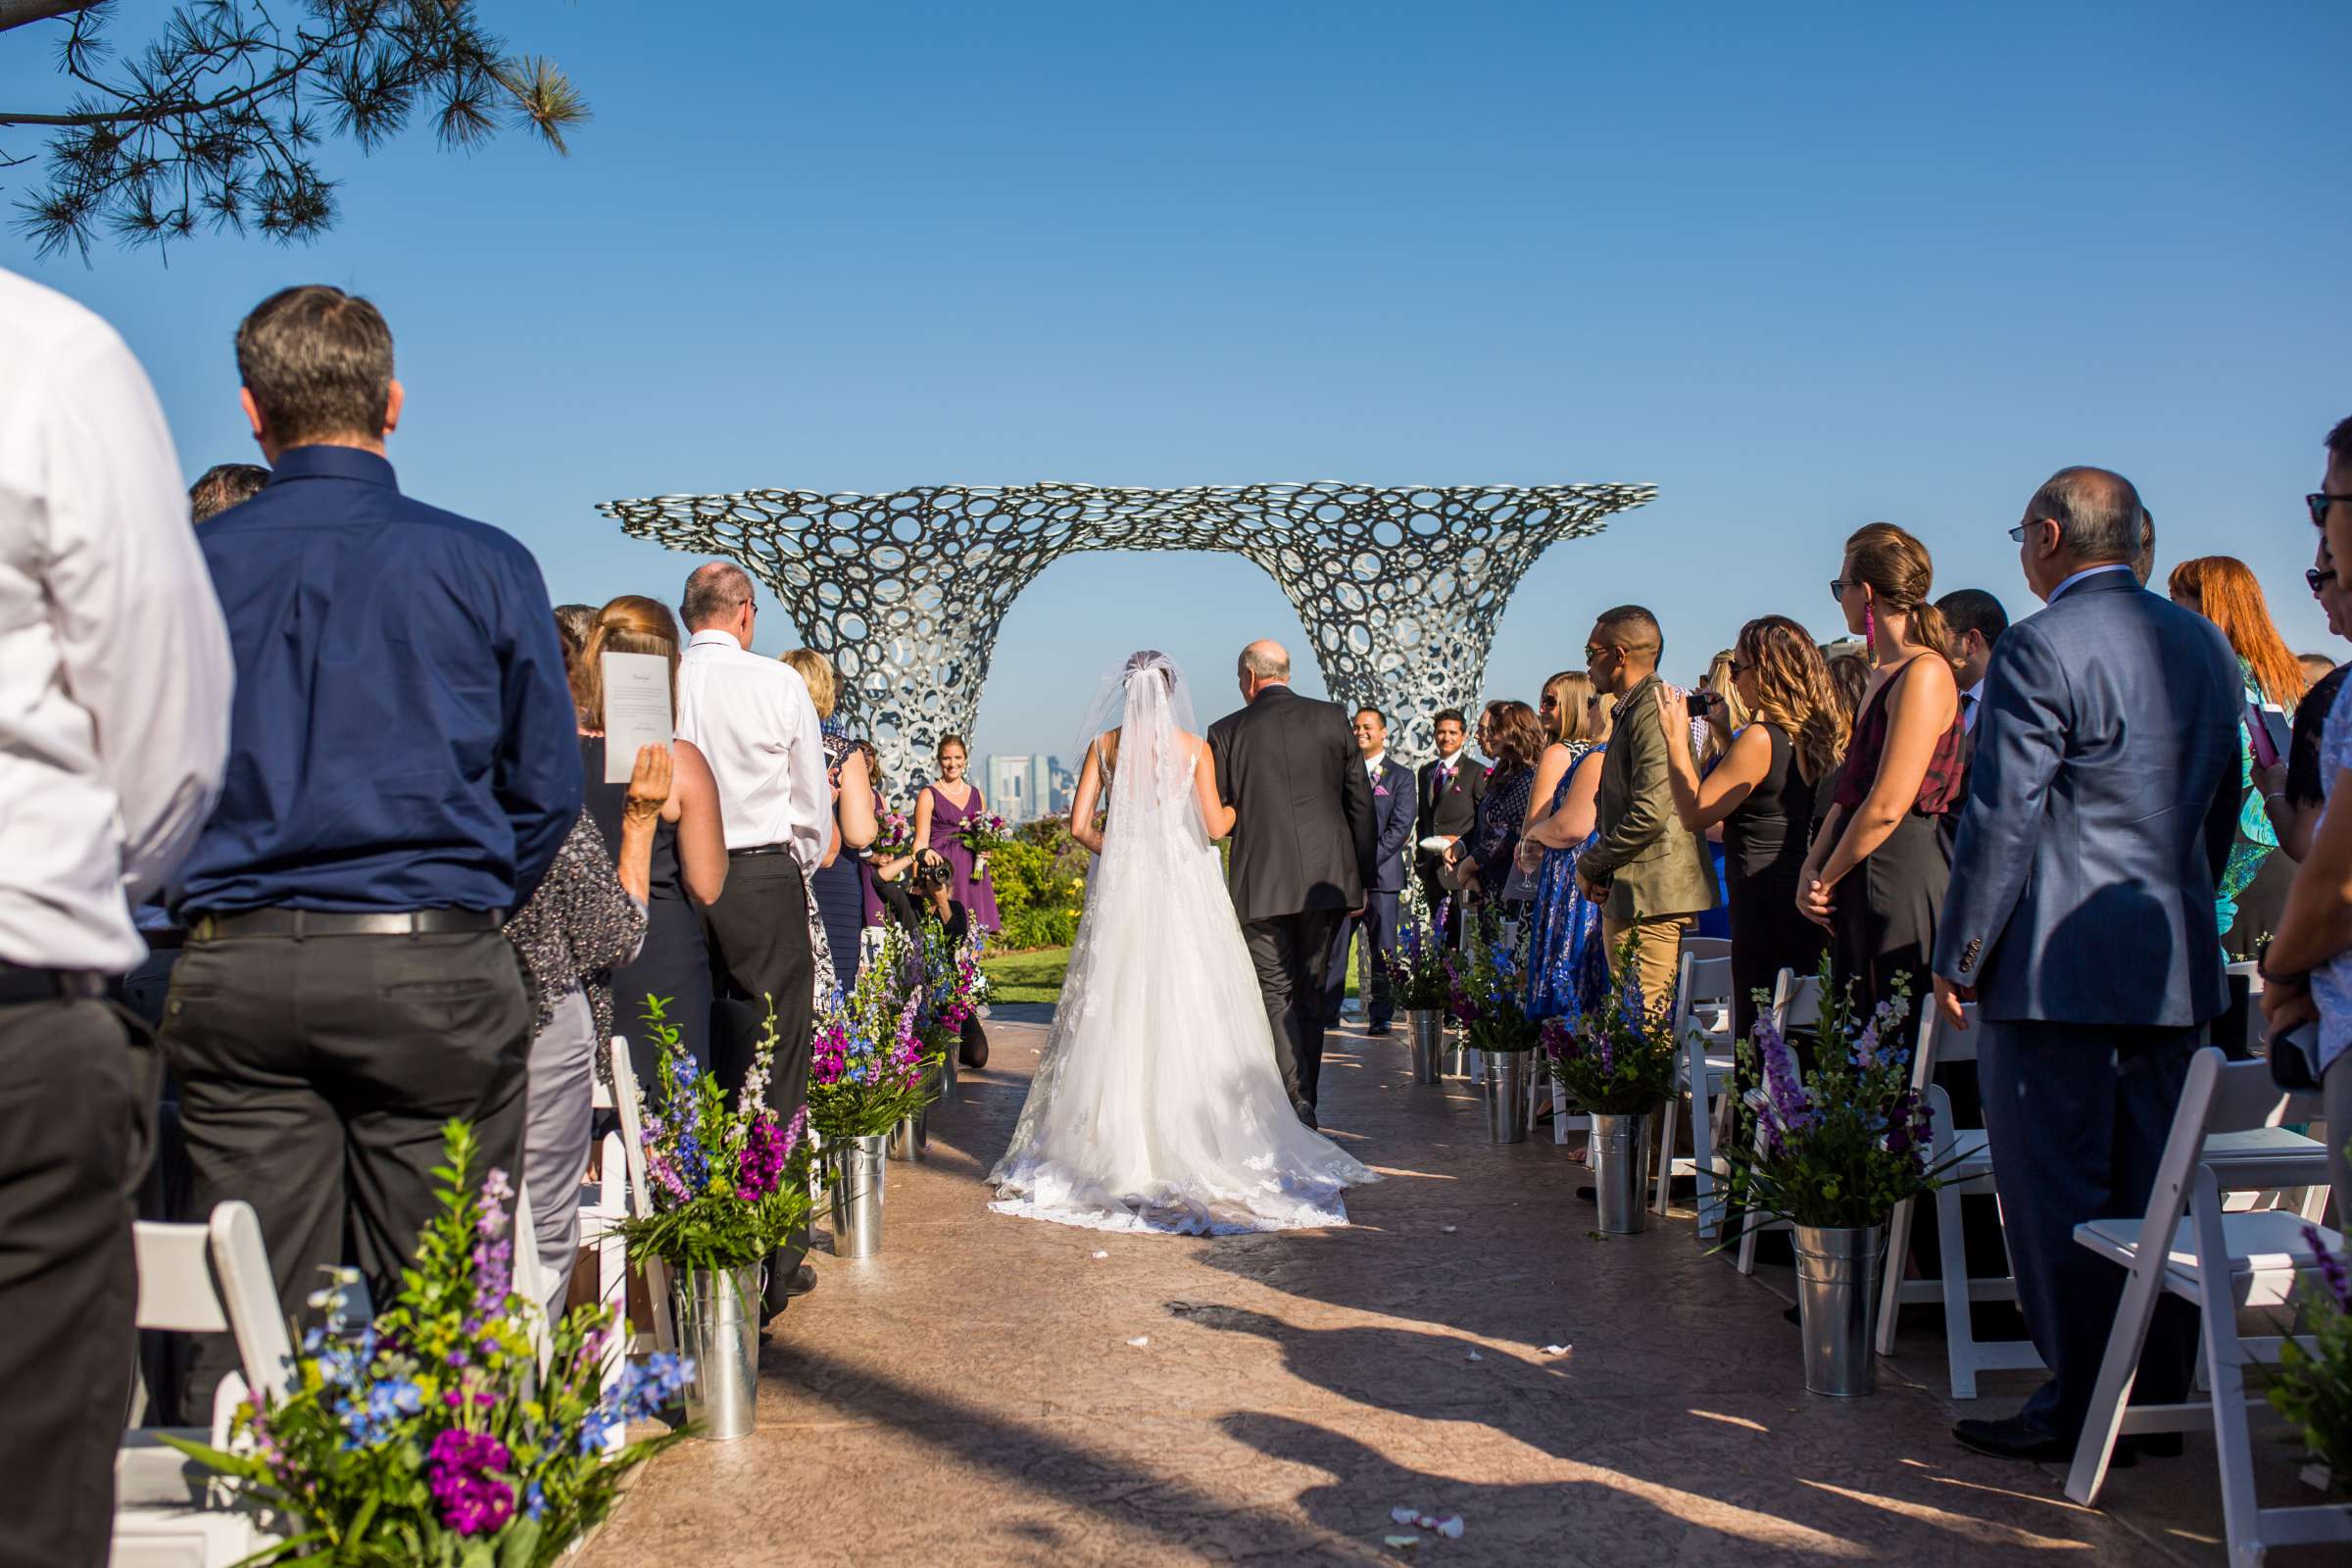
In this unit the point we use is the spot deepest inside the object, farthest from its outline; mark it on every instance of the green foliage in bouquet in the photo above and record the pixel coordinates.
(431, 1435)
(870, 1066)
(1488, 986)
(1618, 1059)
(2313, 1389)
(1839, 1145)
(728, 1184)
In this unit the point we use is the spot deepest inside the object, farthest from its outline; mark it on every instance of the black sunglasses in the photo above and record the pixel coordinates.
(2315, 577)
(1733, 667)
(2319, 501)
(1837, 588)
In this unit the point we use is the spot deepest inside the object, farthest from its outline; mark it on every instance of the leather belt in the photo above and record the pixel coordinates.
(302, 923)
(19, 984)
(166, 940)
(760, 849)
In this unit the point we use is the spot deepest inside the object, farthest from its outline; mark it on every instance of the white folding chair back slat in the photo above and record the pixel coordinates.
(1953, 1288)
(199, 1279)
(2220, 1261)
(1795, 1005)
(641, 1198)
(1701, 1026)
(1706, 946)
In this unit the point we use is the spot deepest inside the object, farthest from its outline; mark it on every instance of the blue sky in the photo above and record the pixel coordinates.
(1799, 267)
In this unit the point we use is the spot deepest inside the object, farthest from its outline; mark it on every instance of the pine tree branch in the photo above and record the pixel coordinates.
(24, 13)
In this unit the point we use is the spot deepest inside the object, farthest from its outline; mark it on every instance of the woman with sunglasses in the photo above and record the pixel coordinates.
(1877, 874)
(1764, 794)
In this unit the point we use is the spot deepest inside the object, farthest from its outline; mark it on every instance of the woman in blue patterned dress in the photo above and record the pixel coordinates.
(1567, 966)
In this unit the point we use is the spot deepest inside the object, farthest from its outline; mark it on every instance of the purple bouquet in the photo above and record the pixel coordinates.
(1842, 1144)
(1618, 1058)
(1488, 984)
(985, 834)
(434, 1434)
(728, 1183)
(1417, 967)
(871, 1065)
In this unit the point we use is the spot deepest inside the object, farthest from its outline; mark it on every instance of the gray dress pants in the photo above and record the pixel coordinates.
(556, 1136)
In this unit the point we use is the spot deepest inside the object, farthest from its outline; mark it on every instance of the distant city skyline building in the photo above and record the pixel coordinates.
(1022, 789)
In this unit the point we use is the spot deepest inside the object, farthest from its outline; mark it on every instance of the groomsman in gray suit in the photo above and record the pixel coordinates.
(2102, 802)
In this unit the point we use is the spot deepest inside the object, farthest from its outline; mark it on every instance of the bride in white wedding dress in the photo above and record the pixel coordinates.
(1157, 1104)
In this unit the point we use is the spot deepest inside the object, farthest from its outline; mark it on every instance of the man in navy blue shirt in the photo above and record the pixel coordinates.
(403, 765)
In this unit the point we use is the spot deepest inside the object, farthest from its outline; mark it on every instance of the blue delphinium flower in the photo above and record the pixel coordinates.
(370, 1419)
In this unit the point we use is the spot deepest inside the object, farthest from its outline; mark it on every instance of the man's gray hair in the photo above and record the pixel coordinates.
(1265, 662)
(2096, 509)
(712, 591)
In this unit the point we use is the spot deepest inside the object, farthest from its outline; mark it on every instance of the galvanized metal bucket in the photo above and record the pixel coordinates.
(855, 1192)
(1838, 1304)
(911, 1138)
(1427, 1028)
(718, 1331)
(1618, 1157)
(1506, 1095)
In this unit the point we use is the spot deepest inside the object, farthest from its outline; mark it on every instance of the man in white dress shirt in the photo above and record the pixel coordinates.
(115, 681)
(753, 718)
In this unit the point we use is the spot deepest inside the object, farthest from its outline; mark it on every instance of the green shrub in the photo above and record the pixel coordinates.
(1037, 887)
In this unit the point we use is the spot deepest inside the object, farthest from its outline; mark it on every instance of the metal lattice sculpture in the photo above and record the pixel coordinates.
(1399, 589)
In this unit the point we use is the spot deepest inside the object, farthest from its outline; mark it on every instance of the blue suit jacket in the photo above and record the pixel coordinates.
(2103, 795)
(1394, 808)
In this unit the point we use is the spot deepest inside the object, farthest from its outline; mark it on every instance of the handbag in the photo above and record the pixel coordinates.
(2295, 1059)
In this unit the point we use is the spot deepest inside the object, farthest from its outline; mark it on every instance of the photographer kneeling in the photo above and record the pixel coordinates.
(914, 892)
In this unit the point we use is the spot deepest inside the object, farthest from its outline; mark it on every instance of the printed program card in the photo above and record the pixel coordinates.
(636, 710)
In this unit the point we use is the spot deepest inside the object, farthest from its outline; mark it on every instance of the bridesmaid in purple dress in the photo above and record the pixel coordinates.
(940, 813)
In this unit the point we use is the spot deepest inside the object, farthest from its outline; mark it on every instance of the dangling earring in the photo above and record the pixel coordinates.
(1869, 622)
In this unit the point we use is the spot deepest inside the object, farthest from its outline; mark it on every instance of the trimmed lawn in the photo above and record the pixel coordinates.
(1036, 975)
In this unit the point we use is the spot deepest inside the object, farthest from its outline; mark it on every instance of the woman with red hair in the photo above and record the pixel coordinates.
(2252, 892)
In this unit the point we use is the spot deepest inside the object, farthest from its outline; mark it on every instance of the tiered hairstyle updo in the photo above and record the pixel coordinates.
(1901, 577)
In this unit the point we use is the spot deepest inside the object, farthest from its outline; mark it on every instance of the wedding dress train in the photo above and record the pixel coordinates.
(1157, 1104)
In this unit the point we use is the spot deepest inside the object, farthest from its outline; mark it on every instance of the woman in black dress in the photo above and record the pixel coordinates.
(837, 891)
(690, 848)
(1876, 878)
(1763, 793)
(1508, 733)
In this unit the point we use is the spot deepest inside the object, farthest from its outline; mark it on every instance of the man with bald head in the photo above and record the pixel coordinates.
(1304, 848)
(753, 719)
(2101, 808)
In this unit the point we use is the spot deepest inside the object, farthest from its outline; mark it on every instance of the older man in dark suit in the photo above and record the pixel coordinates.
(2080, 920)
(1303, 849)
(1449, 790)
(1392, 811)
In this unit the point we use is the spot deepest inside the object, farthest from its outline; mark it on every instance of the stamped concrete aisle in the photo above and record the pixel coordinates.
(1003, 1390)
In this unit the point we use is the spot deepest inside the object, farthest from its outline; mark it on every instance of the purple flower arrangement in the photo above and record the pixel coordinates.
(894, 834)
(1842, 1144)
(2313, 1384)
(871, 1064)
(432, 1433)
(728, 1182)
(1488, 988)
(1618, 1058)
(1420, 971)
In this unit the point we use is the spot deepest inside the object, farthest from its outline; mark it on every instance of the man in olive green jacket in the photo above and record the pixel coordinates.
(1649, 874)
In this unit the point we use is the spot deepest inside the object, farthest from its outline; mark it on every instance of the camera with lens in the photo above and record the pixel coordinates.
(930, 873)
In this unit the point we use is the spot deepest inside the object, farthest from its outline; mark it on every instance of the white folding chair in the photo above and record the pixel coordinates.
(612, 1286)
(2222, 1262)
(1706, 948)
(1795, 1005)
(199, 1279)
(1965, 1355)
(1703, 1061)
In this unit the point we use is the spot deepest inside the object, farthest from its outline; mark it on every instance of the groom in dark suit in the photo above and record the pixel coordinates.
(1393, 807)
(2102, 803)
(1303, 849)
